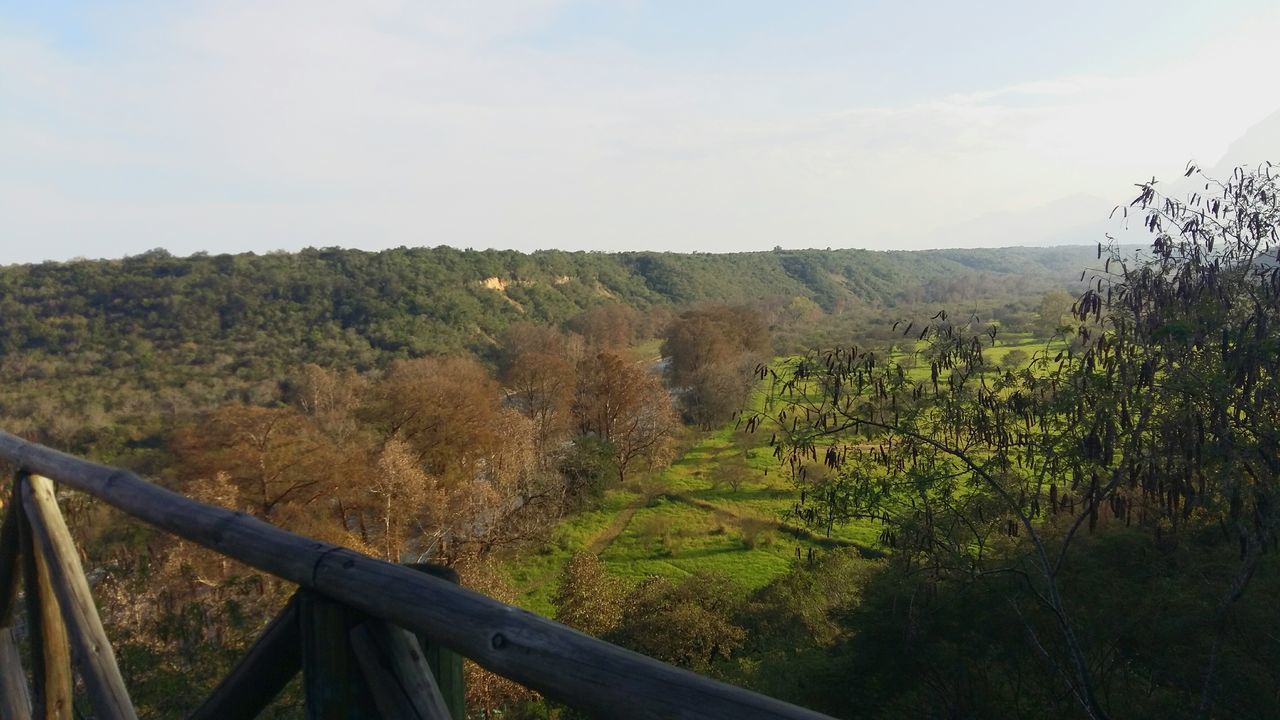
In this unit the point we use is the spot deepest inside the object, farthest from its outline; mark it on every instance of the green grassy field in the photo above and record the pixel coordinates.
(686, 518)
(718, 507)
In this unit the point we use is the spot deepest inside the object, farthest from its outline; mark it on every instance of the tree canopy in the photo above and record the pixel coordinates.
(1160, 418)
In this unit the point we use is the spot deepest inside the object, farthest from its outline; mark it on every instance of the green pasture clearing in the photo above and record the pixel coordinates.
(534, 575)
(689, 517)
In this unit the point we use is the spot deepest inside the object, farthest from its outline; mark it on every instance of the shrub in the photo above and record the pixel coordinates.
(756, 532)
(1015, 359)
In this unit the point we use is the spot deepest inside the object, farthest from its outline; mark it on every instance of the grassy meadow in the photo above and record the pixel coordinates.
(719, 506)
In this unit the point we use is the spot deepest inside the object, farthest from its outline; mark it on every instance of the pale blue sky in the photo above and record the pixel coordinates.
(716, 125)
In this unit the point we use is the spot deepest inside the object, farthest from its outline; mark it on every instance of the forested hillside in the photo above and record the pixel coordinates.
(86, 344)
(336, 305)
(894, 485)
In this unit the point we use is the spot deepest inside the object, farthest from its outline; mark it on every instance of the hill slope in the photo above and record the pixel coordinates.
(86, 345)
(418, 301)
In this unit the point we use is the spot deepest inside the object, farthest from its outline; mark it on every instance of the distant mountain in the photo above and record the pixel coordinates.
(1259, 144)
(1074, 220)
(1084, 219)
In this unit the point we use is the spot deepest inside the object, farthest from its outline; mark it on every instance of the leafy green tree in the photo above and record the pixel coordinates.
(1015, 359)
(1164, 421)
(692, 623)
(588, 598)
(586, 466)
(1054, 308)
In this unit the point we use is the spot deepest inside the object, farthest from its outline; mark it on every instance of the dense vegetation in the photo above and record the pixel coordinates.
(415, 403)
(1044, 498)
(354, 308)
(944, 484)
(95, 353)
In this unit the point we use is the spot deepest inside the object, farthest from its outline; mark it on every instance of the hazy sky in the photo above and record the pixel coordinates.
(684, 125)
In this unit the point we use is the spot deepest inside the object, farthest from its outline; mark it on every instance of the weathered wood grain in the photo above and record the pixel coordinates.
(397, 673)
(265, 670)
(10, 564)
(90, 648)
(15, 698)
(50, 653)
(331, 679)
(560, 662)
(446, 665)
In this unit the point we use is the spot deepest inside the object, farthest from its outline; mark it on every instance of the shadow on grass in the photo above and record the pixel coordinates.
(745, 494)
(794, 531)
(831, 543)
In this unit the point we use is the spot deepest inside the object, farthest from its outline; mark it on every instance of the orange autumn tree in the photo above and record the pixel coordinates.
(625, 405)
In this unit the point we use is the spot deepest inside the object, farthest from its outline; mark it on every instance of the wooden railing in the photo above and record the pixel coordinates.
(362, 631)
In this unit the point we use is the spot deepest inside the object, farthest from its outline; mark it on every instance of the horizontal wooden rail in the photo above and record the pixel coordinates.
(559, 662)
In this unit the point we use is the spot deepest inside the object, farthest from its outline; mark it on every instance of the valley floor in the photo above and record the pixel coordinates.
(691, 517)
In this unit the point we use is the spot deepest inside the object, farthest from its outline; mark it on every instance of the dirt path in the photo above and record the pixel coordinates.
(620, 522)
(800, 533)
(623, 519)
(601, 542)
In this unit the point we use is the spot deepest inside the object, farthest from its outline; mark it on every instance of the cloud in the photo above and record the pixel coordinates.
(238, 126)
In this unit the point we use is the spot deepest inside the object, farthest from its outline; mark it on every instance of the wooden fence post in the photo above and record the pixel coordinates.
(10, 563)
(446, 665)
(333, 684)
(563, 664)
(15, 698)
(332, 678)
(263, 671)
(50, 653)
(93, 654)
(398, 676)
